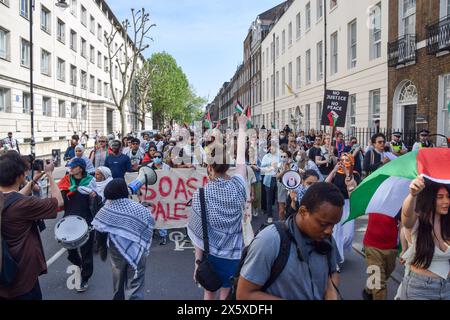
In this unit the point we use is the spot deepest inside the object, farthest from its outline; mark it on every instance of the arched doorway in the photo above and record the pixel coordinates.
(405, 107)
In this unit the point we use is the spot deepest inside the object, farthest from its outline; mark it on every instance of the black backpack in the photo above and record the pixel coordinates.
(9, 268)
(278, 265)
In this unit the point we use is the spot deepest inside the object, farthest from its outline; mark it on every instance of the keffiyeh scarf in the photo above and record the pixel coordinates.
(130, 228)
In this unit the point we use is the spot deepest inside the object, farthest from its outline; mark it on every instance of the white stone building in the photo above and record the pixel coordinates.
(72, 87)
(357, 35)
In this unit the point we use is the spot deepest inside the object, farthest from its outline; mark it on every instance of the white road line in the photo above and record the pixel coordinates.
(56, 257)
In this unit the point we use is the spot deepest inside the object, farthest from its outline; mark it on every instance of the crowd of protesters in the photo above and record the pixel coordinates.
(303, 226)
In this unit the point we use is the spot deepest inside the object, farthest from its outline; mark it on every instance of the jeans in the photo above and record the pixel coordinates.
(86, 261)
(271, 194)
(125, 285)
(419, 287)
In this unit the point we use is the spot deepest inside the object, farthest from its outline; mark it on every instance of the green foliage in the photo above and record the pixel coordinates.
(171, 97)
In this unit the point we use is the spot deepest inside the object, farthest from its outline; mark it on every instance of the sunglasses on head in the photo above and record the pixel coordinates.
(135, 143)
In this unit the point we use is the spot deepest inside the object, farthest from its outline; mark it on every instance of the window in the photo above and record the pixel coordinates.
(116, 72)
(333, 3)
(73, 75)
(319, 9)
(61, 70)
(308, 117)
(407, 17)
(298, 25)
(105, 90)
(352, 44)
(73, 7)
(105, 39)
(83, 112)
(105, 63)
(62, 108)
(99, 32)
(83, 79)
(283, 42)
(83, 48)
(92, 54)
(277, 84)
(45, 19)
(283, 81)
(318, 114)
(308, 66)
(4, 44)
(375, 32)
(61, 31)
(99, 87)
(290, 74)
(26, 102)
(25, 8)
(73, 40)
(73, 110)
(334, 53)
(25, 53)
(263, 59)
(277, 47)
(298, 73)
(374, 105)
(308, 16)
(319, 61)
(352, 111)
(84, 16)
(5, 100)
(289, 33)
(45, 62)
(92, 84)
(92, 25)
(47, 106)
(99, 59)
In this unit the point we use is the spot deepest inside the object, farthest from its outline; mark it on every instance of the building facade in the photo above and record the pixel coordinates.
(419, 66)
(296, 52)
(72, 86)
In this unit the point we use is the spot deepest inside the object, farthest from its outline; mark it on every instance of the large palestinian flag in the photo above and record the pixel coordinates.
(385, 190)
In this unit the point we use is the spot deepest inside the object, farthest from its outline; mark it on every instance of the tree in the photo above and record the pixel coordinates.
(169, 88)
(127, 63)
(143, 84)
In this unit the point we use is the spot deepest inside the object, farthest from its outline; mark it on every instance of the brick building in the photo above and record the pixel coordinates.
(419, 65)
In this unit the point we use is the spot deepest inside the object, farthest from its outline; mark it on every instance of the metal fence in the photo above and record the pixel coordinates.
(409, 137)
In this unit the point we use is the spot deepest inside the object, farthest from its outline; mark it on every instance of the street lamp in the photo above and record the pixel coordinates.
(62, 4)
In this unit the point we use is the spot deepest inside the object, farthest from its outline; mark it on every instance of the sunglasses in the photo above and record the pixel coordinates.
(380, 142)
(102, 141)
(159, 157)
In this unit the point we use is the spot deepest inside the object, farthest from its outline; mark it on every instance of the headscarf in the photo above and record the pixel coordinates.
(79, 147)
(101, 185)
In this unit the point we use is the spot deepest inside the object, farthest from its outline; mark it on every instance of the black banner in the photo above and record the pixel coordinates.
(334, 108)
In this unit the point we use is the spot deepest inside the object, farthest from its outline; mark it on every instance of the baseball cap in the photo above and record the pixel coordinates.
(78, 162)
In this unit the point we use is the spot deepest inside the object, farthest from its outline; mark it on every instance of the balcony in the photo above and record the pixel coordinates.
(438, 36)
(402, 51)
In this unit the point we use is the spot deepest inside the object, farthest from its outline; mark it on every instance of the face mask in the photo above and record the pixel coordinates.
(157, 160)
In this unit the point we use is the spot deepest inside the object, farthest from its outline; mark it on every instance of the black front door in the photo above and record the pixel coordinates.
(109, 121)
(409, 124)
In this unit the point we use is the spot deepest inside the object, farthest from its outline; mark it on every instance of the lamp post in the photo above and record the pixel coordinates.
(61, 4)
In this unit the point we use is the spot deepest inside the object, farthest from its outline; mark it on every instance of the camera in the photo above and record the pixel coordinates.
(38, 165)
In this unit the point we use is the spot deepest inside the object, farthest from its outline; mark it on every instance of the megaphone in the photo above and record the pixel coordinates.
(291, 179)
(147, 176)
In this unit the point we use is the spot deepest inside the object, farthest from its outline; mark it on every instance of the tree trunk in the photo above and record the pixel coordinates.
(123, 121)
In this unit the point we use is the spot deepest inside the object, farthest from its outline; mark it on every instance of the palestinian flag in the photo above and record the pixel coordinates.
(385, 190)
(208, 123)
(333, 117)
(238, 108)
(249, 116)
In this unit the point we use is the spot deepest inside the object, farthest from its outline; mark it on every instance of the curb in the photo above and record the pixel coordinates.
(358, 249)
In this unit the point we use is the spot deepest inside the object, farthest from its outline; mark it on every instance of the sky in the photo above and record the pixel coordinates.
(204, 36)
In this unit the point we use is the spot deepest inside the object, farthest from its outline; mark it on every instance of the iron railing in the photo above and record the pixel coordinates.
(438, 36)
(402, 51)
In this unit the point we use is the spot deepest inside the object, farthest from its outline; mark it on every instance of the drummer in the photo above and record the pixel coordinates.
(79, 193)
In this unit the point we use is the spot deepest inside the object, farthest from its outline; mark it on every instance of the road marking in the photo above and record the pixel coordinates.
(56, 257)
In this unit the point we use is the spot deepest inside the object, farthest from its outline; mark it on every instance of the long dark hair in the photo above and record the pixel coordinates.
(426, 209)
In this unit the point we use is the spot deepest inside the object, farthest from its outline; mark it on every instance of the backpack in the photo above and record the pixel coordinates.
(277, 267)
(9, 267)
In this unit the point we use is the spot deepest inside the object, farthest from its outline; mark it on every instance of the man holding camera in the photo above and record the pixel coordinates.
(19, 227)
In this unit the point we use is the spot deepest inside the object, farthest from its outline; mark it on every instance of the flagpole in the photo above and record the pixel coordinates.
(326, 51)
(273, 125)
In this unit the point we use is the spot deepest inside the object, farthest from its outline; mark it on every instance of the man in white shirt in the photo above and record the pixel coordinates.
(10, 143)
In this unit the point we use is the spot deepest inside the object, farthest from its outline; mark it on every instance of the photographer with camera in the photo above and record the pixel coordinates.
(19, 229)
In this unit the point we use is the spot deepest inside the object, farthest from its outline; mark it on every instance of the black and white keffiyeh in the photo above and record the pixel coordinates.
(130, 228)
(225, 203)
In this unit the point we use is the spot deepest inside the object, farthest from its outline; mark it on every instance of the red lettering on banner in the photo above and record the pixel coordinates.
(205, 181)
(161, 190)
(181, 188)
(160, 211)
(189, 184)
(150, 195)
(179, 207)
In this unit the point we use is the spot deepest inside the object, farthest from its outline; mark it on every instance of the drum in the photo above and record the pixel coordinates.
(291, 179)
(72, 232)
